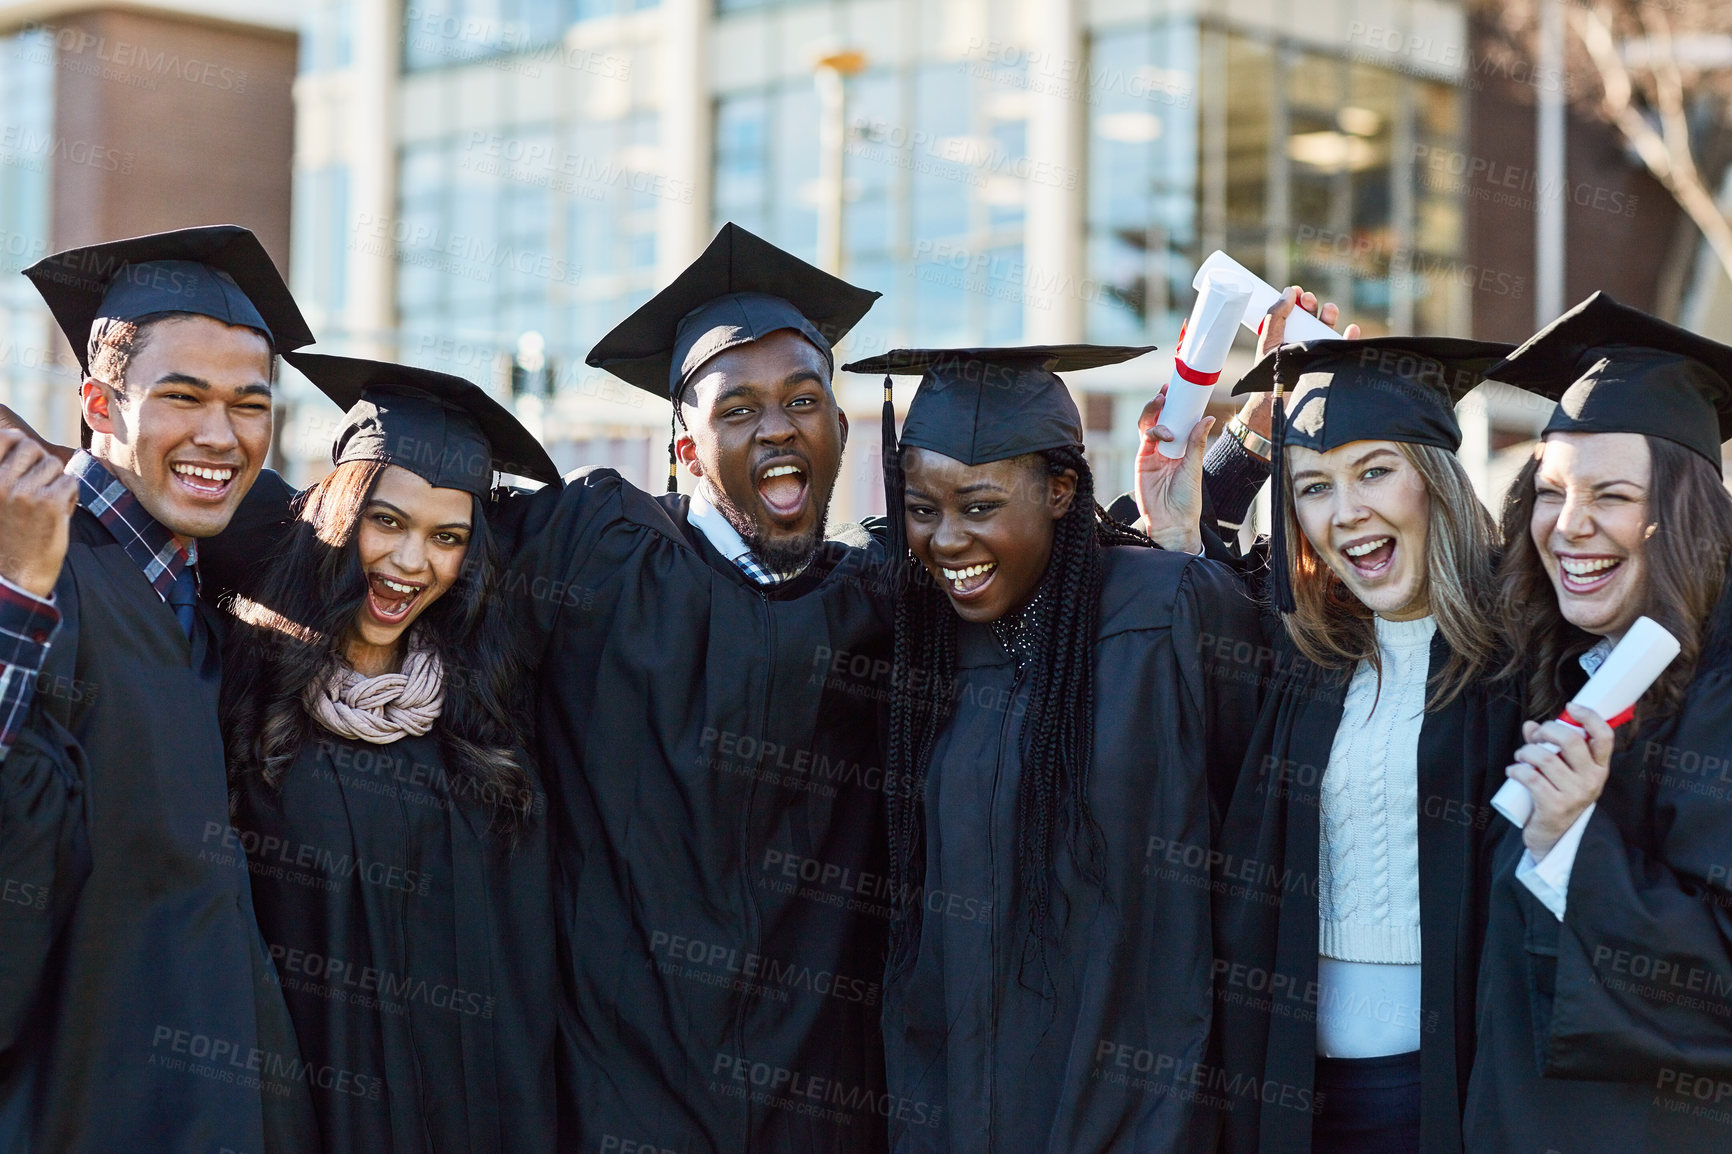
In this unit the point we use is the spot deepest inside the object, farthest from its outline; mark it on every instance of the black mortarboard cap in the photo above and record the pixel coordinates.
(442, 428)
(1615, 369)
(981, 405)
(219, 271)
(1380, 389)
(741, 289)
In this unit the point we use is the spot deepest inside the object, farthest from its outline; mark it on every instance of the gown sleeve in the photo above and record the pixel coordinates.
(1643, 979)
(1232, 475)
(1223, 657)
(517, 515)
(550, 539)
(27, 626)
(44, 835)
(231, 561)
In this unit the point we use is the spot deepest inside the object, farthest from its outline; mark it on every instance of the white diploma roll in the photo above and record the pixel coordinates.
(1301, 325)
(1220, 306)
(1634, 665)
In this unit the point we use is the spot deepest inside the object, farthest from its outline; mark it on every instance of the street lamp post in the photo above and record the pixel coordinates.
(831, 72)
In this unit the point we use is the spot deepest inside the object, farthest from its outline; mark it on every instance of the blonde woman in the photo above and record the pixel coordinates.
(1350, 882)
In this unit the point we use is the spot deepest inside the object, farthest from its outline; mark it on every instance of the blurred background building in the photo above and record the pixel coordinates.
(486, 186)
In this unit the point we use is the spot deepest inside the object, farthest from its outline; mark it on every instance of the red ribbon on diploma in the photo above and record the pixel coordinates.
(1186, 372)
(1614, 722)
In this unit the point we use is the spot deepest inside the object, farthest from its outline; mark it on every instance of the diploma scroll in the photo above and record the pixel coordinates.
(1301, 325)
(1634, 665)
(1203, 346)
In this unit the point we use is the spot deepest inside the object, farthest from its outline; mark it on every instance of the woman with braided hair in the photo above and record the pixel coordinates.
(382, 796)
(1058, 710)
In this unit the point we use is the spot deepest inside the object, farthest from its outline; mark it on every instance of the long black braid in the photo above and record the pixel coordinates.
(1057, 729)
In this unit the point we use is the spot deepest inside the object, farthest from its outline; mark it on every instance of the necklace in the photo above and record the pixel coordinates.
(1016, 631)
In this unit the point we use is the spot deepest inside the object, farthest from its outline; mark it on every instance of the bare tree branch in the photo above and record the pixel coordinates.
(1669, 156)
(1669, 96)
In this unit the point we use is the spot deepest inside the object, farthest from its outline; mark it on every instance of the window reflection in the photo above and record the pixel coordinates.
(1299, 164)
(543, 228)
(1142, 178)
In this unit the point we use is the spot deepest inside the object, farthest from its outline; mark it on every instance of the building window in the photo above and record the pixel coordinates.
(320, 237)
(533, 236)
(33, 365)
(1295, 162)
(327, 36)
(934, 178)
(439, 33)
(1142, 180)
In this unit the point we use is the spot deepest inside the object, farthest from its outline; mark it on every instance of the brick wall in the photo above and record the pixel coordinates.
(165, 123)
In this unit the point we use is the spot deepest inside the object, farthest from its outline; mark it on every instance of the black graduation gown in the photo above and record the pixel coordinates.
(415, 948)
(1612, 1031)
(236, 559)
(44, 859)
(160, 1023)
(1266, 902)
(712, 757)
(985, 1054)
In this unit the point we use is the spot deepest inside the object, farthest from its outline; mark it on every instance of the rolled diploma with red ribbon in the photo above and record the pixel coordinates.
(1634, 665)
(1203, 346)
(1301, 325)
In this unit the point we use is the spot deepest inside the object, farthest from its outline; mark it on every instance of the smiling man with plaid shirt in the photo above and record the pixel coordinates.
(137, 1006)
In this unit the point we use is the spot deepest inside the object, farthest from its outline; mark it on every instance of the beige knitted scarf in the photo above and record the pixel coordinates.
(385, 708)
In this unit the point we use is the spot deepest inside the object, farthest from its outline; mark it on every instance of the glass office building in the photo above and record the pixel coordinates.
(30, 371)
(1012, 171)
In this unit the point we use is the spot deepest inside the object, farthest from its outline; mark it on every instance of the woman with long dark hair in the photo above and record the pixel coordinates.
(1056, 715)
(1350, 894)
(1605, 1010)
(382, 796)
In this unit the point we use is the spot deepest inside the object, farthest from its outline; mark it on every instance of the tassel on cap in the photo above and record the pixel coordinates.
(897, 545)
(673, 461)
(1280, 573)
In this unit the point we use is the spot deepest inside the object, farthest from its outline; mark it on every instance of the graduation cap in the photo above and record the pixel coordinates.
(442, 428)
(742, 289)
(219, 271)
(982, 405)
(1615, 369)
(1380, 389)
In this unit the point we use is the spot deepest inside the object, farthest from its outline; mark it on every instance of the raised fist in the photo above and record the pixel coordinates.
(36, 503)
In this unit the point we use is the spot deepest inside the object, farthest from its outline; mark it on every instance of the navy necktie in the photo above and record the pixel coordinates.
(182, 597)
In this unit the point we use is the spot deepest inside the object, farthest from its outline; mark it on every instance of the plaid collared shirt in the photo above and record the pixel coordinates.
(27, 623)
(151, 547)
(728, 542)
(760, 574)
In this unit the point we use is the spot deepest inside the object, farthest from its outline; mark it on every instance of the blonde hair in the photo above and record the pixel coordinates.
(1334, 629)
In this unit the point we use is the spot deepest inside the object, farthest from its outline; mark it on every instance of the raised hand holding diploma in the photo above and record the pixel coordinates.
(1610, 694)
(1170, 492)
(1204, 342)
(36, 503)
(1258, 411)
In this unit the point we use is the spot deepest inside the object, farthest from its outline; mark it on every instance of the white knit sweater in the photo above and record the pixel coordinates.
(1368, 902)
